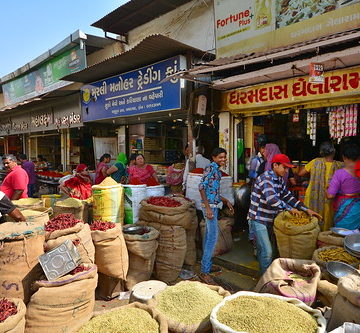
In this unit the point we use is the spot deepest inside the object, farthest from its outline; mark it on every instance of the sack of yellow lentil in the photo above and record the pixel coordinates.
(28, 203)
(132, 318)
(333, 253)
(108, 202)
(14, 323)
(293, 278)
(265, 313)
(346, 307)
(170, 254)
(296, 236)
(62, 305)
(187, 305)
(142, 253)
(328, 238)
(39, 215)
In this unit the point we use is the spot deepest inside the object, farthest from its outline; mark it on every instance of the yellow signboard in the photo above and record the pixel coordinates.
(340, 83)
(248, 26)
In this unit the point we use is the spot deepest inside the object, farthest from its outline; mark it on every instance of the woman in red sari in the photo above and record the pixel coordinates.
(79, 186)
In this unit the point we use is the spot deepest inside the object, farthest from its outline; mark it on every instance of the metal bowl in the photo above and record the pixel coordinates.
(353, 253)
(135, 230)
(339, 269)
(343, 232)
(352, 242)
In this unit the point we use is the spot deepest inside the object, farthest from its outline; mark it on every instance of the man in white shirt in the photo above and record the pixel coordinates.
(7, 207)
(200, 160)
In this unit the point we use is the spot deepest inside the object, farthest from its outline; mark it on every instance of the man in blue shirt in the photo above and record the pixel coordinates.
(269, 197)
(211, 203)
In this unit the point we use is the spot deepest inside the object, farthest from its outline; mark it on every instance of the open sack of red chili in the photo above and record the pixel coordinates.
(12, 315)
(111, 255)
(66, 226)
(166, 210)
(79, 269)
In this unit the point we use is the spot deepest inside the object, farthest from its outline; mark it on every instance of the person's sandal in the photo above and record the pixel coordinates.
(206, 278)
(215, 269)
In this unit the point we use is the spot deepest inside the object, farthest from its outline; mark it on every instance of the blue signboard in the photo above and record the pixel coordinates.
(133, 93)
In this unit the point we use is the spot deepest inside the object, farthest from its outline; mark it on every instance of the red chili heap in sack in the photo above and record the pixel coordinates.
(61, 222)
(7, 309)
(79, 269)
(102, 226)
(163, 201)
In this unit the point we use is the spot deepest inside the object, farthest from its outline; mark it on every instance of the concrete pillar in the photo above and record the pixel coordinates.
(226, 135)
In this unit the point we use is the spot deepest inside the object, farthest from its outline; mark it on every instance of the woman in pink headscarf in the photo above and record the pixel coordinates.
(271, 149)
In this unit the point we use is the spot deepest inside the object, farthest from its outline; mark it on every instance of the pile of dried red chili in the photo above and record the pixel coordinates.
(79, 269)
(102, 226)
(163, 201)
(62, 221)
(7, 309)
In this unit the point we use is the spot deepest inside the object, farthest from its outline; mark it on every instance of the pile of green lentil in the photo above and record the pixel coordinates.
(256, 314)
(123, 320)
(187, 302)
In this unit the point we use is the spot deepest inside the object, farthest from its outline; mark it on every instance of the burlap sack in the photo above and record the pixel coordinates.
(142, 253)
(163, 326)
(170, 254)
(16, 322)
(39, 215)
(190, 256)
(178, 327)
(63, 305)
(225, 240)
(108, 287)
(284, 278)
(327, 292)
(180, 216)
(111, 255)
(295, 241)
(328, 238)
(322, 263)
(80, 234)
(20, 246)
(28, 203)
(80, 212)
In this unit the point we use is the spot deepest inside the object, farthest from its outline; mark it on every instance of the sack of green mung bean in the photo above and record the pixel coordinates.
(132, 318)
(346, 307)
(293, 278)
(170, 254)
(187, 305)
(265, 313)
(62, 305)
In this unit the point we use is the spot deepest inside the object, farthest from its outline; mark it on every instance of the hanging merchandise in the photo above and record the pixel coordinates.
(343, 121)
(311, 126)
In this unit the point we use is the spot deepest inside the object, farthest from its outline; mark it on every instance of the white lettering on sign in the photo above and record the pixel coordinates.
(68, 120)
(40, 120)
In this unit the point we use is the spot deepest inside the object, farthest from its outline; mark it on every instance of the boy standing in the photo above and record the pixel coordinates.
(269, 197)
(211, 203)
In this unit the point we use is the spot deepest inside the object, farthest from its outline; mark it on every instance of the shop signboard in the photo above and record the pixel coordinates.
(14, 125)
(46, 78)
(248, 26)
(340, 83)
(133, 93)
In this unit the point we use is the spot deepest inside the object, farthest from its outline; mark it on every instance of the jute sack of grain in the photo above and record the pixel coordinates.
(293, 278)
(108, 287)
(111, 255)
(142, 253)
(295, 241)
(79, 208)
(180, 216)
(327, 292)
(28, 203)
(163, 326)
(20, 246)
(170, 254)
(38, 215)
(346, 307)
(340, 255)
(16, 322)
(328, 238)
(225, 240)
(177, 326)
(190, 257)
(108, 201)
(80, 234)
(62, 305)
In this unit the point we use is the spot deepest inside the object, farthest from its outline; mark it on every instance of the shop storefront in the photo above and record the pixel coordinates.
(296, 114)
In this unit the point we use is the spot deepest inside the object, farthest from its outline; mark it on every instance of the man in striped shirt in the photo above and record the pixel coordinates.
(269, 197)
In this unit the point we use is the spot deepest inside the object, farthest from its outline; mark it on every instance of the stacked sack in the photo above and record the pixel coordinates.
(174, 218)
(21, 245)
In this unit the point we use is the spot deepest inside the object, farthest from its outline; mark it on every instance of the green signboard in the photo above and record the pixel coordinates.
(46, 78)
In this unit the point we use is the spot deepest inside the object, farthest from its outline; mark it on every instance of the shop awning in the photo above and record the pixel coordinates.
(151, 49)
(135, 13)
